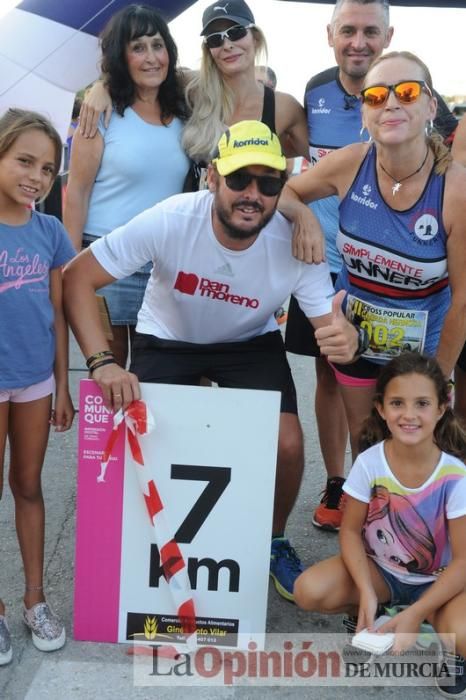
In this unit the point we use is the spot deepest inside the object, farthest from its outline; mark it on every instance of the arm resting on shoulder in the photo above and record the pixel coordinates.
(96, 100)
(308, 242)
(331, 176)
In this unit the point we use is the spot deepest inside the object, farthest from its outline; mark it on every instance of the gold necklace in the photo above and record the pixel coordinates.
(397, 183)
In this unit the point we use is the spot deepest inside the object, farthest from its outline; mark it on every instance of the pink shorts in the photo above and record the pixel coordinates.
(347, 380)
(29, 393)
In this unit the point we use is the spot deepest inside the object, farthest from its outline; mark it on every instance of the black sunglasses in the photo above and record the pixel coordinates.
(235, 33)
(268, 185)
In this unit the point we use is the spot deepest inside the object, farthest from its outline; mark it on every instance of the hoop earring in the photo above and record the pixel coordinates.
(429, 128)
(361, 135)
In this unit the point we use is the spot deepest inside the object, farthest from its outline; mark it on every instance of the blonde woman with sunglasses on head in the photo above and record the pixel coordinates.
(402, 233)
(226, 89)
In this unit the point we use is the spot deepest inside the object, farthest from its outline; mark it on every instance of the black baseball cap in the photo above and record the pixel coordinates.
(235, 10)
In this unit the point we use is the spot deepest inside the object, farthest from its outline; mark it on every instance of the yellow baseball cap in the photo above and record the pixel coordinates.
(248, 143)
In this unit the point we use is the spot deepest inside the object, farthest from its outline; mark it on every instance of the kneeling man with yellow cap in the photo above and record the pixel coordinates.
(222, 266)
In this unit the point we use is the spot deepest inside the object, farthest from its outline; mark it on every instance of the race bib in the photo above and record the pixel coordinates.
(316, 153)
(391, 331)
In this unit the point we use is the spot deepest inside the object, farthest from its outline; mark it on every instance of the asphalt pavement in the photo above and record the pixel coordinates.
(89, 670)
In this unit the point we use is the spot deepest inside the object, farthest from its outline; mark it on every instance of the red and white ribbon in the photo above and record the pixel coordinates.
(139, 421)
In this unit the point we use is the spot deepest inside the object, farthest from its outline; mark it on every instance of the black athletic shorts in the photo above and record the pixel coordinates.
(299, 334)
(259, 363)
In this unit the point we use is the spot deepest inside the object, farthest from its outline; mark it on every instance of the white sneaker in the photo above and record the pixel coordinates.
(48, 632)
(6, 652)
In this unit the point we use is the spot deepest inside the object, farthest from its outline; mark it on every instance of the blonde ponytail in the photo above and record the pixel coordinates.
(441, 153)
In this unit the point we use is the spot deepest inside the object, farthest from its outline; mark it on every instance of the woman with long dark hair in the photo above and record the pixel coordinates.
(135, 161)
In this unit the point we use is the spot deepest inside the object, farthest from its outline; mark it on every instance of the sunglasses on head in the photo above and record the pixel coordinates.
(235, 33)
(268, 185)
(406, 92)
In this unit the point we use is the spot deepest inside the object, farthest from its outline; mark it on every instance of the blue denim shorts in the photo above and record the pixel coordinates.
(402, 593)
(124, 297)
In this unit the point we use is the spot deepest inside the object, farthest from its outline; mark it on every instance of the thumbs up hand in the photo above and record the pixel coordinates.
(338, 340)
(337, 303)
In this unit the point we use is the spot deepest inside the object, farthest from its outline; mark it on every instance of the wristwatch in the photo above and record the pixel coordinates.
(363, 340)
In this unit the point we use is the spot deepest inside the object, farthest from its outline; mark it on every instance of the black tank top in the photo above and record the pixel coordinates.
(268, 110)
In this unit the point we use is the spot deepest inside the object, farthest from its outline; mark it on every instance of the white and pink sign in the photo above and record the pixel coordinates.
(182, 512)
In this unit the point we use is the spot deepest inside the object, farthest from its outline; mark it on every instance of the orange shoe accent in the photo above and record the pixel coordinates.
(329, 512)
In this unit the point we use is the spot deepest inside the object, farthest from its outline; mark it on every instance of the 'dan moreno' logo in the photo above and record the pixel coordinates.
(189, 283)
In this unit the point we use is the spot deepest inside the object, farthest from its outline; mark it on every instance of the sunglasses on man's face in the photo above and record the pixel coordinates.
(406, 92)
(235, 33)
(268, 185)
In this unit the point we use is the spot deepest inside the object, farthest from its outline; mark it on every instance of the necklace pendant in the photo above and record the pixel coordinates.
(396, 187)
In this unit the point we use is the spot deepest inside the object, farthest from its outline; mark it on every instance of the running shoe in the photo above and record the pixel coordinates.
(452, 667)
(285, 567)
(329, 513)
(6, 652)
(48, 632)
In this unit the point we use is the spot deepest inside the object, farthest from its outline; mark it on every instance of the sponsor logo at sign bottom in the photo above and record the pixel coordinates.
(144, 628)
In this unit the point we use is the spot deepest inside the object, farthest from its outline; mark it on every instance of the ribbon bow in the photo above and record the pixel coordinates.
(138, 421)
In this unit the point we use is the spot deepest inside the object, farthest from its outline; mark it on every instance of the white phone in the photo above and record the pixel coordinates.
(373, 642)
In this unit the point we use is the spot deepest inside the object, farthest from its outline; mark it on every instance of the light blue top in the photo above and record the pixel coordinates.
(141, 164)
(27, 255)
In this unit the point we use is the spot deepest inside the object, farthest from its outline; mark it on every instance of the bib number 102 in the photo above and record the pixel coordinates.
(380, 337)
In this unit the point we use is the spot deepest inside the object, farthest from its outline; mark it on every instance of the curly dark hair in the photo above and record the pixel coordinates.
(126, 25)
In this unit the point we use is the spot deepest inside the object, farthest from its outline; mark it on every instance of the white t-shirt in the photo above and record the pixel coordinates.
(406, 530)
(201, 292)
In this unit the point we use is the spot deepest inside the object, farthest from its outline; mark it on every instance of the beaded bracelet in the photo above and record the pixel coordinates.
(102, 363)
(96, 357)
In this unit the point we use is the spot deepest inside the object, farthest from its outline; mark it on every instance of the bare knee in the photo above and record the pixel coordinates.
(29, 490)
(290, 443)
(449, 620)
(310, 591)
